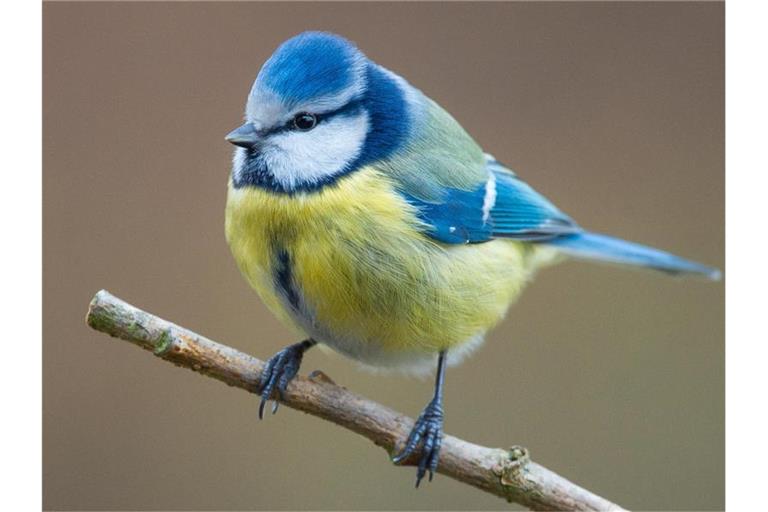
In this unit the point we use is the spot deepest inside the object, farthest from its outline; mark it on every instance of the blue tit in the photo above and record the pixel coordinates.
(370, 222)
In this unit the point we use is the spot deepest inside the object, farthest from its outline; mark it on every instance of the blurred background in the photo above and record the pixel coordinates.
(613, 378)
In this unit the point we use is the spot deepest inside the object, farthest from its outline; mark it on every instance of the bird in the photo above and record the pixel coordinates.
(370, 222)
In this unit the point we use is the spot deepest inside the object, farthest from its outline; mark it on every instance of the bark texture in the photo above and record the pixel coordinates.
(507, 473)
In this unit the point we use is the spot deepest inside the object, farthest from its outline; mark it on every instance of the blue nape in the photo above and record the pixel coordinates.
(388, 117)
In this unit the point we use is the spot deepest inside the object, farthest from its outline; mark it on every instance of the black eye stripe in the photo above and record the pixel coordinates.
(346, 109)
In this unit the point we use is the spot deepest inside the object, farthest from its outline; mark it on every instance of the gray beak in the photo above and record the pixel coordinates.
(244, 136)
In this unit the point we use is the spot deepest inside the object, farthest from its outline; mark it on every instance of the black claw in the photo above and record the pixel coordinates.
(279, 371)
(429, 428)
(261, 408)
(266, 392)
(435, 457)
(421, 471)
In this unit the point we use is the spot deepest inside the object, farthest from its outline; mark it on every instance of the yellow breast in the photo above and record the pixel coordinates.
(349, 266)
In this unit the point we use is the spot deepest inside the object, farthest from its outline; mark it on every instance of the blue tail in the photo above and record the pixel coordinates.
(592, 246)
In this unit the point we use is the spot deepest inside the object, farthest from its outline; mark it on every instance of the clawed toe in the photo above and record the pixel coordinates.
(427, 433)
(279, 371)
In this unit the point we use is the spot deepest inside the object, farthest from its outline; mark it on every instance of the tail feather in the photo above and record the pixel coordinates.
(596, 247)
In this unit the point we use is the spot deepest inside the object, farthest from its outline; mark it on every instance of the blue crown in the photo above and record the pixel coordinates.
(311, 65)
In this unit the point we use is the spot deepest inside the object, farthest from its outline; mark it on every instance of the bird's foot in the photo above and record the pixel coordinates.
(429, 429)
(279, 371)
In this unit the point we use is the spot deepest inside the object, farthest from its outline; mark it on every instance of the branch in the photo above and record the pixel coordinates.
(509, 474)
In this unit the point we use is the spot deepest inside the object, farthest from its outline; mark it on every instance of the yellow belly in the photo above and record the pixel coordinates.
(350, 267)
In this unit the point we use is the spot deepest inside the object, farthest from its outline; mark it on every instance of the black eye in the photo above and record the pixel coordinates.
(304, 121)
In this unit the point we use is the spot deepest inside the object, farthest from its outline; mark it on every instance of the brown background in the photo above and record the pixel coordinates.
(613, 378)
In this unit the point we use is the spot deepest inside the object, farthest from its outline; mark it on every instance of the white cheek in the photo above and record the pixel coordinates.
(296, 158)
(238, 160)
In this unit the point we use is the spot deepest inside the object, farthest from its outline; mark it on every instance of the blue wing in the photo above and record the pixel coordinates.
(502, 206)
(464, 196)
(506, 207)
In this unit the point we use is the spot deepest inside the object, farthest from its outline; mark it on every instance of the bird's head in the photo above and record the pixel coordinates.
(319, 109)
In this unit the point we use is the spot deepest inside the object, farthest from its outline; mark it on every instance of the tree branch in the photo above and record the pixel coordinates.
(509, 474)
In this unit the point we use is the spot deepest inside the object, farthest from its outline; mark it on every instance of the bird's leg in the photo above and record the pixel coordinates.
(279, 370)
(429, 428)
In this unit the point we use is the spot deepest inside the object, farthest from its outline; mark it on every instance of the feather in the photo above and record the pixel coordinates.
(596, 247)
(500, 206)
